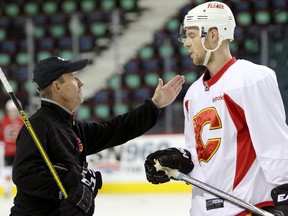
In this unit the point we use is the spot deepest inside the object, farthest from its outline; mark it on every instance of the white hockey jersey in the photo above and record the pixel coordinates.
(236, 132)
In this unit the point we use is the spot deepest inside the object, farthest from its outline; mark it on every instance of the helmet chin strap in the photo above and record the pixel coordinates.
(209, 51)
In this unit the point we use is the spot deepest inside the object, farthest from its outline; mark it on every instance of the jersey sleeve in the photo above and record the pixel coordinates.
(265, 116)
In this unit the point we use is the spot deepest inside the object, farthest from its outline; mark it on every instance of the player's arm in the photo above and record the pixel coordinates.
(175, 158)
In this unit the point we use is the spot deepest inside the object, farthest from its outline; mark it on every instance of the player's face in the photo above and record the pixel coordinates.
(71, 95)
(194, 46)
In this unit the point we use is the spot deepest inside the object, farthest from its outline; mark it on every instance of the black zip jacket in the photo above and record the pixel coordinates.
(63, 138)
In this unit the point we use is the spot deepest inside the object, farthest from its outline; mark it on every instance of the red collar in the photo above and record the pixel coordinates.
(209, 81)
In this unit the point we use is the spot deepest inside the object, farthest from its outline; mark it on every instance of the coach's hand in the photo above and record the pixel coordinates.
(173, 158)
(166, 94)
(280, 198)
(82, 187)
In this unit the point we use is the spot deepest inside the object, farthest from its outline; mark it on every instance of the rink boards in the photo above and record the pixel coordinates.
(122, 167)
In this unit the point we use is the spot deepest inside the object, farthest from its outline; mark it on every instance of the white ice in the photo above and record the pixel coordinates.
(163, 204)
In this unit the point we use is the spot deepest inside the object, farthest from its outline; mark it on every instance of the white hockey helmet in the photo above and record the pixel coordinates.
(10, 105)
(208, 15)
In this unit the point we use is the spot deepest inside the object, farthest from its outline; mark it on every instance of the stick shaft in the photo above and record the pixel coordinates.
(32, 133)
(222, 194)
(234, 200)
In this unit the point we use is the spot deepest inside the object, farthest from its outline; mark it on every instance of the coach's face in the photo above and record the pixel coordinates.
(68, 90)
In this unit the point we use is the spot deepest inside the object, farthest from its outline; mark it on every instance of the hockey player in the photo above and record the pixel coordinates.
(235, 132)
(68, 141)
(9, 129)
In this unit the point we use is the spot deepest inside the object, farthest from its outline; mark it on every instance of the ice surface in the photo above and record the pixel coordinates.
(165, 204)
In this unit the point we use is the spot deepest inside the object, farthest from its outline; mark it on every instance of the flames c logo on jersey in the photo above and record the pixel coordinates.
(208, 116)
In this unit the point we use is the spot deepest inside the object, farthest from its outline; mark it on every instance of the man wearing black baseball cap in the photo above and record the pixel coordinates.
(53, 67)
(68, 141)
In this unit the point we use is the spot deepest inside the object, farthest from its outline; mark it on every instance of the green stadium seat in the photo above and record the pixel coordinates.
(280, 16)
(49, 7)
(113, 82)
(5, 59)
(83, 112)
(3, 34)
(22, 58)
(168, 76)
(108, 5)
(262, 17)
(31, 8)
(190, 77)
(244, 18)
(252, 46)
(69, 6)
(132, 80)
(146, 52)
(234, 46)
(66, 54)
(151, 79)
(57, 30)
(12, 10)
(120, 108)
(98, 29)
(172, 25)
(39, 31)
(29, 87)
(128, 5)
(42, 55)
(183, 51)
(88, 6)
(101, 111)
(165, 51)
(80, 31)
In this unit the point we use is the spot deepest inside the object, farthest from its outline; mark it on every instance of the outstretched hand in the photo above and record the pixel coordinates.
(166, 94)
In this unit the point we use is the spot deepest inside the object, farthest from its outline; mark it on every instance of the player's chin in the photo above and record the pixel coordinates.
(196, 61)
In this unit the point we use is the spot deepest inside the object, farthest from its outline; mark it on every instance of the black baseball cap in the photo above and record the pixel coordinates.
(50, 69)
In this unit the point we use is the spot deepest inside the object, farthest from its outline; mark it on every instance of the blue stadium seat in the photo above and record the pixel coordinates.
(65, 42)
(86, 43)
(46, 43)
(8, 46)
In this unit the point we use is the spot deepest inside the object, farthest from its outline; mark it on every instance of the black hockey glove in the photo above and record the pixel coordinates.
(82, 187)
(280, 198)
(174, 158)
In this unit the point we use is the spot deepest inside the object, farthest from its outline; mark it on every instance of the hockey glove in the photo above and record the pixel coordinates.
(280, 198)
(174, 158)
(82, 189)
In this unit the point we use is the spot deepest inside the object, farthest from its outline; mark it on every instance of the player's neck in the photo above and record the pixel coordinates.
(218, 59)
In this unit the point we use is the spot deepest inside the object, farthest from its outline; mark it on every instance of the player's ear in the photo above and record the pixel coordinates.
(214, 34)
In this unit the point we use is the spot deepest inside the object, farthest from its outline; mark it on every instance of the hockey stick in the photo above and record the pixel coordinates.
(234, 200)
(29, 127)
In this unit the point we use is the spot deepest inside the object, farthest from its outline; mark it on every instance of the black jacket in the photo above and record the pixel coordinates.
(62, 138)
